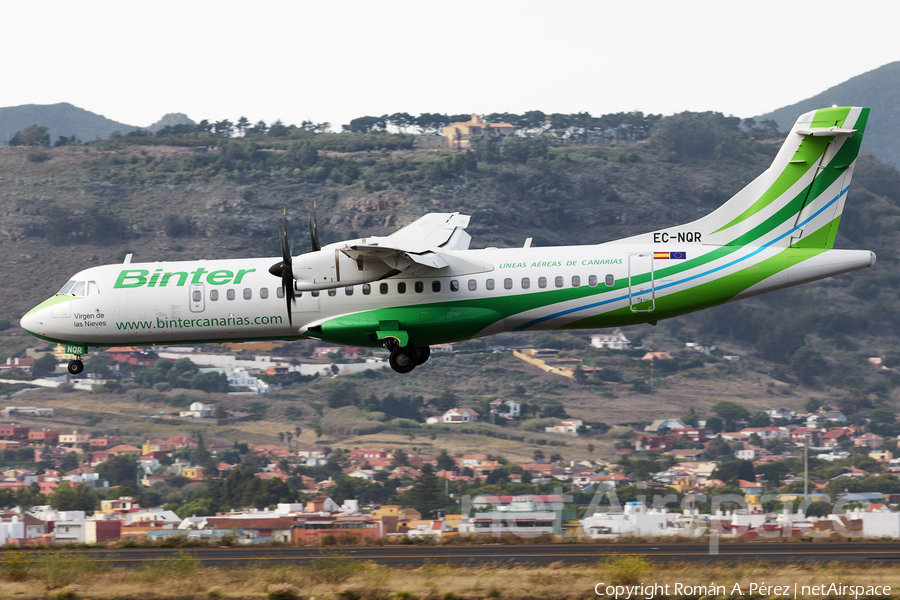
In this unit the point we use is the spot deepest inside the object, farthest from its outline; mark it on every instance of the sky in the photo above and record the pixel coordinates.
(336, 60)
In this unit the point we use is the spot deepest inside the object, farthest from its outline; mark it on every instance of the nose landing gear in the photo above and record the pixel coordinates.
(75, 366)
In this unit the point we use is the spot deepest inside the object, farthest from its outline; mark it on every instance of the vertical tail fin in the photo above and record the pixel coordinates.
(799, 199)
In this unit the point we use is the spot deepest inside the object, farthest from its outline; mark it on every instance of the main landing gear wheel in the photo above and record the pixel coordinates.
(75, 367)
(422, 354)
(403, 360)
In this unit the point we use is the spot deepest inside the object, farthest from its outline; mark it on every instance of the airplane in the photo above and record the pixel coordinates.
(422, 285)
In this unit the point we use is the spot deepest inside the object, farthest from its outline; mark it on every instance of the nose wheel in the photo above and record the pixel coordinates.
(75, 366)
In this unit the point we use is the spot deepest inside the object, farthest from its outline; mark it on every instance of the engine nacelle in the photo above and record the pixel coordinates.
(331, 268)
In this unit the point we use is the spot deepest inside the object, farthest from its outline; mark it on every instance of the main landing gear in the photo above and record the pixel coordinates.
(406, 358)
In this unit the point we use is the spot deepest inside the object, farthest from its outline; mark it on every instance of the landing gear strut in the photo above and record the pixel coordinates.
(406, 358)
(75, 366)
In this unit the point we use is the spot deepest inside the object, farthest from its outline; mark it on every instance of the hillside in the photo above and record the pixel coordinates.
(62, 119)
(877, 89)
(191, 196)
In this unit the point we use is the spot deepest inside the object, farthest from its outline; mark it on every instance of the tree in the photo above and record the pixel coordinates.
(445, 462)
(730, 412)
(119, 469)
(33, 135)
(425, 495)
(210, 382)
(760, 419)
(538, 455)
(44, 366)
(400, 459)
(66, 497)
(732, 470)
(242, 125)
(808, 364)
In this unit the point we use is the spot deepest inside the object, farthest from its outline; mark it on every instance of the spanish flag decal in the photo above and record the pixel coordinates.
(669, 255)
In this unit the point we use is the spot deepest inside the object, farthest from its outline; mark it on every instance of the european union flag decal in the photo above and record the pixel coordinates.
(678, 255)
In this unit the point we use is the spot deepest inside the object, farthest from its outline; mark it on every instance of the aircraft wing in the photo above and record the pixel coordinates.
(416, 248)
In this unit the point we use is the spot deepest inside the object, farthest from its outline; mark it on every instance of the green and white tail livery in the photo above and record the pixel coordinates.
(422, 285)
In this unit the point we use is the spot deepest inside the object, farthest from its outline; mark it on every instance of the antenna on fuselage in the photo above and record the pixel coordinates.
(127, 260)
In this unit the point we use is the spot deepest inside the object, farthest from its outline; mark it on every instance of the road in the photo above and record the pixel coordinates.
(525, 554)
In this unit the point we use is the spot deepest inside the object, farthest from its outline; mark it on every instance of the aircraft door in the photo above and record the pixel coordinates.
(197, 298)
(641, 295)
(306, 301)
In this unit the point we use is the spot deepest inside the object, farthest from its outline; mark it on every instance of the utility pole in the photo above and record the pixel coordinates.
(806, 466)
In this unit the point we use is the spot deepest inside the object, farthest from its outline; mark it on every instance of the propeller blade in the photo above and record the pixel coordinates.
(287, 283)
(313, 230)
(285, 245)
(285, 271)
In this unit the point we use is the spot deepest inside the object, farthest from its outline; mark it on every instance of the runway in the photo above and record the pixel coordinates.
(520, 555)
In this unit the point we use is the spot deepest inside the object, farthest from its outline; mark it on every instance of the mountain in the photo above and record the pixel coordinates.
(63, 119)
(878, 89)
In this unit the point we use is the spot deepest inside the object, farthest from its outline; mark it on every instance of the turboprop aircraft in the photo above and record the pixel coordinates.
(423, 285)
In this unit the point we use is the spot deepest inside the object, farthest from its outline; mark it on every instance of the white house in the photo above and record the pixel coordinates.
(198, 410)
(508, 409)
(748, 453)
(634, 519)
(567, 426)
(613, 341)
(781, 413)
(459, 415)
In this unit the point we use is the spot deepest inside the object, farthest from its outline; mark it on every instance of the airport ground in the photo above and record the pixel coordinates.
(551, 572)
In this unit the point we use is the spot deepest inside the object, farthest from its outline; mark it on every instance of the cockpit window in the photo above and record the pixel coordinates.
(93, 290)
(65, 289)
(78, 290)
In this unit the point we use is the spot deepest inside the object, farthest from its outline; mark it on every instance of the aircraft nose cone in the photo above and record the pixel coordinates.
(30, 321)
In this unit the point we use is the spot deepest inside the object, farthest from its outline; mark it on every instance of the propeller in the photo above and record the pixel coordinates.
(284, 270)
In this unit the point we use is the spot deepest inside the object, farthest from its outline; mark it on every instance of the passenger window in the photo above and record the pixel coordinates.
(489, 284)
(65, 289)
(367, 289)
(93, 290)
(576, 281)
(383, 288)
(592, 281)
(420, 287)
(213, 295)
(542, 282)
(279, 293)
(435, 286)
(315, 293)
(78, 290)
(526, 283)
(610, 280)
(401, 288)
(558, 282)
(197, 296)
(507, 283)
(248, 294)
(332, 292)
(348, 291)
(230, 294)
(454, 285)
(473, 285)
(263, 293)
